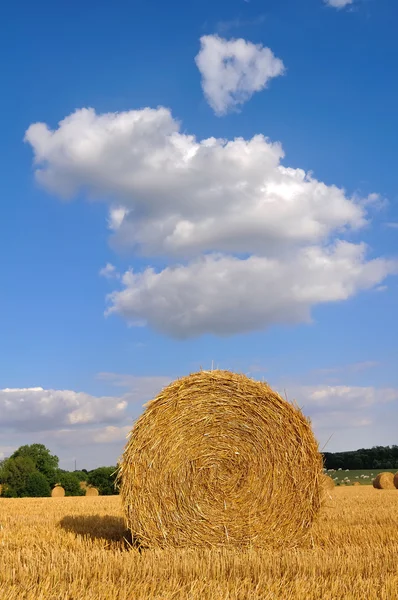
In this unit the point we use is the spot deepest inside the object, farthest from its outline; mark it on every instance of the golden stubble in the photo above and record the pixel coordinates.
(76, 549)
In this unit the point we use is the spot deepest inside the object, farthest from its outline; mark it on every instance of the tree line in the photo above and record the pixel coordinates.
(32, 471)
(378, 457)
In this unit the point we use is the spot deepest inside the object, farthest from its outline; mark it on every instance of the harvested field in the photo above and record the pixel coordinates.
(73, 549)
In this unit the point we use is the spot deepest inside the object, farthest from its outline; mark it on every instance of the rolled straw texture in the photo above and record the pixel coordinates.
(396, 480)
(92, 491)
(219, 459)
(58, 492)
(384, 481)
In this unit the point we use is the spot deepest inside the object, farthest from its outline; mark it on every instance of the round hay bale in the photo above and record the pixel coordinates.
(327, 483)
(384, 481)
(356, 483)
(92, 491)
(83, 485)
(58, 492)
(219, 459)
(396, 480)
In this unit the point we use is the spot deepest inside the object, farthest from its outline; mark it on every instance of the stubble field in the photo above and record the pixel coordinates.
(74, 549)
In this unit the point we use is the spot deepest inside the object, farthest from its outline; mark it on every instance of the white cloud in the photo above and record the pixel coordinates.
(232, 70)
(348, 417)
(109, 272)
(172, 195)
(225, 295)
(34, 409)
(342, 396)
(338, 3)
(262, 226)
(110, 434)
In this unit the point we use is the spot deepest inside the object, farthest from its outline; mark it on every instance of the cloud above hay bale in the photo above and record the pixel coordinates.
(233, 70)
(210, 295)
(228, 212)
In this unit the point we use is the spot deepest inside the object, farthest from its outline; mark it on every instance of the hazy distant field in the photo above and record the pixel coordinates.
(370, 474)
(73, 549)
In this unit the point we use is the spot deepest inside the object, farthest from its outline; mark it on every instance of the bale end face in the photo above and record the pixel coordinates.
(384, 481)
(58, 492)
(396, 480)
(219, 459)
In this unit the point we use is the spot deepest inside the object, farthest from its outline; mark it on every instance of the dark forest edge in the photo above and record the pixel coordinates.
(32, 471)
(378, 457)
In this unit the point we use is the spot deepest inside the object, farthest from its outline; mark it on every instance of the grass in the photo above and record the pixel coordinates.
(355, 475)
(73, 549)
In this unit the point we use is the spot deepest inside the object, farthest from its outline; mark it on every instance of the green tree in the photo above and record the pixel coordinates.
(15, 474)
(103, 479)
(37, 486)
(81, 475)
(70, 482)
(45, 462)
(8, 492)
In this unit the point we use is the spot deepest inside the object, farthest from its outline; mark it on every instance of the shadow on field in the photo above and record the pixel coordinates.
(97, 527)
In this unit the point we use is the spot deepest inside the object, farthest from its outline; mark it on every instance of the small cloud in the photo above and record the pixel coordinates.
(116, 217)
(392, 225)
(338, 3)
(109, 272)
(232, 70)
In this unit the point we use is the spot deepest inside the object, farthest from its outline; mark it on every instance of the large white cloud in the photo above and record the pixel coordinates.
(232, 70)
(338, 3)
(225, 295)
(173, 195)
(268, 228)
(35, 409)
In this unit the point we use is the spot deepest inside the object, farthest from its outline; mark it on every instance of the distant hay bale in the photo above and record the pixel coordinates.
(356, 483)
(384, 481)
(83, 485)
(1, 489)
(327, 483)
(396, 480)
(58, 492)
(219, 459)
(92, 491)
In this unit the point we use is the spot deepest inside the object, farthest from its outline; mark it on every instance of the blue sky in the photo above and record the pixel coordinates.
(237, 244)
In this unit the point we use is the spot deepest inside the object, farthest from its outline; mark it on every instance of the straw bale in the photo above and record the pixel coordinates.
(327, 483)
(92, 491)
(219, 459)
(356, 483)
(396, 480)
(83, 485)
(58, 492)
(384, 481)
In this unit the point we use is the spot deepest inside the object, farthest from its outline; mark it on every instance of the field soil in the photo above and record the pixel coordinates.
(74, 549)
